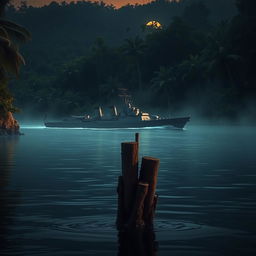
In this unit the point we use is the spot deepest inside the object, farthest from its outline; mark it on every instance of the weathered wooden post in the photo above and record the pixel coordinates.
(136, 219)
(148, 174)
(130, 174)
(127, 183)
(136, 197)
(136, 202)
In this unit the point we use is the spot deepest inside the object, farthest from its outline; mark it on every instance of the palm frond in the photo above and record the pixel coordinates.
(15, 30)
(10, 59)
(4, 42)
(3, 33)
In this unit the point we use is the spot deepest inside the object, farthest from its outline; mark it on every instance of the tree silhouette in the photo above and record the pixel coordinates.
(220, 58)
(134, 48)
(109, 89)
(10, 59)
(163, 83)
(246, 7)
(196, 14)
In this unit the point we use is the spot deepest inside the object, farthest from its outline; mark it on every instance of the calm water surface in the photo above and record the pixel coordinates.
(58, 191)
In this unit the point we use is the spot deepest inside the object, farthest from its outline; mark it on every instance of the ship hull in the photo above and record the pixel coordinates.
(175, 122)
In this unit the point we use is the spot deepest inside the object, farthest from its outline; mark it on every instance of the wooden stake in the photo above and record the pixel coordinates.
(148, 174)
(130, 174)
(136, 218)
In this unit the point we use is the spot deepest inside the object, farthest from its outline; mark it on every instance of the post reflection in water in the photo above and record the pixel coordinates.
(137, 242)
(8, 198)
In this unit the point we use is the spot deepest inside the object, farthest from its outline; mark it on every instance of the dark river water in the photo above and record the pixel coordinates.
(58, 191)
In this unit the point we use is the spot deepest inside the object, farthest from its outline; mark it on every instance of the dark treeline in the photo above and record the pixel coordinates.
(202, 58)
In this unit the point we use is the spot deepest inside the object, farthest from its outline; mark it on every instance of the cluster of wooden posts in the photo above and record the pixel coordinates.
(136, 190)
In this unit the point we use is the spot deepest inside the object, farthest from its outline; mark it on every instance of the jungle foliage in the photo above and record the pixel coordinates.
(203, 57)
(10, 58)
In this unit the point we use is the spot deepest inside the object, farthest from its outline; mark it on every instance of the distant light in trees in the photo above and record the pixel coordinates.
(154, 24)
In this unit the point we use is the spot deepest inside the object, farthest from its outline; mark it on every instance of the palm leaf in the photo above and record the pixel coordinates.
(10, 59)
(4, 42)
(3, 33)
(15, 30)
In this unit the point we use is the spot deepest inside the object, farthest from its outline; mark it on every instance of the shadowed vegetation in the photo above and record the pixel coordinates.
(10, 62)
(202, 57)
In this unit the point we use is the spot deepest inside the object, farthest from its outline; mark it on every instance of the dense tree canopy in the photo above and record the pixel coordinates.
(201, 58)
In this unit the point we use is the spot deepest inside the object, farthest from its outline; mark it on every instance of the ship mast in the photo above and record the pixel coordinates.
(125, 96)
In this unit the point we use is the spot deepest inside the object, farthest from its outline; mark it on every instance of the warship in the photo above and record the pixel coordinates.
(129, 117)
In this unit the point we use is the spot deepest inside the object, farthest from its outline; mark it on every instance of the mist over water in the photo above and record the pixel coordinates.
(58, 190)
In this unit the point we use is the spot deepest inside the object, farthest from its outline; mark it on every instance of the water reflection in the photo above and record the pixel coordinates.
(137, 242)
(206, 185)
(8, 198)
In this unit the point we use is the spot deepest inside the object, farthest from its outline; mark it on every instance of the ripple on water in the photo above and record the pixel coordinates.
(102, 228)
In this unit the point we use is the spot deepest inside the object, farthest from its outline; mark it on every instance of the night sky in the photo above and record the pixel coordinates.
(117, 3)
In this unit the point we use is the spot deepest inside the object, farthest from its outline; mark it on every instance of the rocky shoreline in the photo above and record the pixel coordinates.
(9, 125)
